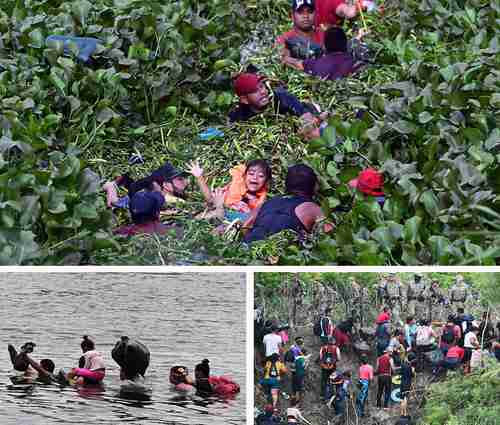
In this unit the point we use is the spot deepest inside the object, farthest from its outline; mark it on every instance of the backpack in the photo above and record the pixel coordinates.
(289, 357)
(448, 335)
(302, 48)
(273, 371)
(317, 327)
(329, 356)
(381, 332)
(468, 319)
(422, 335)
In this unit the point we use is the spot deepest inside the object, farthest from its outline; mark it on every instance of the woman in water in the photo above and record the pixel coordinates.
(91, 368)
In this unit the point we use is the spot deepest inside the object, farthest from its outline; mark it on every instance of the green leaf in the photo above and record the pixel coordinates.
(411, 232)
(440, 250)
(431, 203)
(56, 201)
(89, 183)
(404, 127)
(424, 117)
(30, 211)
(81, 10)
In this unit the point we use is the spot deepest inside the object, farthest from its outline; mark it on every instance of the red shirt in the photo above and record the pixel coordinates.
(317, 36)
(326, 13)
(384, 365)
(383, 317)
(455, 352)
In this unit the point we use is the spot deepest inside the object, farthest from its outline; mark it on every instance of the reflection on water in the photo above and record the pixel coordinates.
(182, 318)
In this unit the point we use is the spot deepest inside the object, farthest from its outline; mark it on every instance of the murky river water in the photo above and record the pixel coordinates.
(182, 318)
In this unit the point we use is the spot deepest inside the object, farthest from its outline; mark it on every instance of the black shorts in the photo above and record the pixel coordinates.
(404, 392)
(297, 383)
(467, 354)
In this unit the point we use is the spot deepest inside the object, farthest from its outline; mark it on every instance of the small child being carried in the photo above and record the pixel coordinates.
(247, 190)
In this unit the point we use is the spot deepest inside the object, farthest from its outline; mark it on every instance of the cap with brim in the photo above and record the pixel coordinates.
(247, 83)
(297, 4)
(169, 172)
(369, 182)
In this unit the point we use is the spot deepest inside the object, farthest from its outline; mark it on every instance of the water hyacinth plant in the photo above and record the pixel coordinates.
(161, 74)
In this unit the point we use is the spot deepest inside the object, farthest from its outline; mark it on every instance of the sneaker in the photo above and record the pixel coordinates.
(135, 159)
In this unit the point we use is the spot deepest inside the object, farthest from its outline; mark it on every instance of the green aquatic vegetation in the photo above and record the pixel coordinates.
(162, 74)
(473, 400)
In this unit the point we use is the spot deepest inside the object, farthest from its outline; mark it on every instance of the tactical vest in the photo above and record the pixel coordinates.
(416, 290)
(393, 289)
(458, 293)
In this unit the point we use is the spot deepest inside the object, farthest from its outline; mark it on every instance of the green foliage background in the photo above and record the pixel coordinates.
(163, 74)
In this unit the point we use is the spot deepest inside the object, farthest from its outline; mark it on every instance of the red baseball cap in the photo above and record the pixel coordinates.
(247, 83)
(369, 181)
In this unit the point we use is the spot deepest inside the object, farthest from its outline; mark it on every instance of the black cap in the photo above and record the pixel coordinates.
(169, 172)
(297, 4)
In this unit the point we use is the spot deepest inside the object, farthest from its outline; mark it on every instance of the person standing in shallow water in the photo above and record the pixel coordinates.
(91, 368)
(202, 377)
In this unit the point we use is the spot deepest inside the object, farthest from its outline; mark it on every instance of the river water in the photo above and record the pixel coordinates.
(182, 318)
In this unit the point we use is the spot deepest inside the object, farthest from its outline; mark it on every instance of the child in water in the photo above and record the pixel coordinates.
(247, 190)
(91, 368)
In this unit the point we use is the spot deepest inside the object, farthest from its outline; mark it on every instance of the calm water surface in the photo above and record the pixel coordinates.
(182, 318)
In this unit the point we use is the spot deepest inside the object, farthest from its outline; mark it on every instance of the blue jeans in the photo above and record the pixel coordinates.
(361, 398)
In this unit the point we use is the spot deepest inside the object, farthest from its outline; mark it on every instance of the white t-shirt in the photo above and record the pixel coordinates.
(424, 335)
(470, 339)
(272, 342)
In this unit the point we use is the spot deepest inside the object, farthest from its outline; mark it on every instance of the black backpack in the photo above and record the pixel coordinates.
(448, 335)
(289, 356)
(273, 372)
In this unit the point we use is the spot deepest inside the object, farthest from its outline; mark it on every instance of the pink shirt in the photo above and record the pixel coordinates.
(366, 372)
(93, 360)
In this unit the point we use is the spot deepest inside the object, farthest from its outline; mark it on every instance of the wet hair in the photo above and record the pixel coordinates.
(87, 344)
(263, 165)
(335, 40)
(301, 180)
(48, 365)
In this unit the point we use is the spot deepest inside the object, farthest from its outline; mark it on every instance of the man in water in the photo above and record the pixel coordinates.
(255, 98)
(303, 40)
(297, 211)
(22, 362)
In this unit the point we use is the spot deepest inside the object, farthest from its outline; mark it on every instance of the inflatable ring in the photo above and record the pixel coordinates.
(396, 380)
(396, 395)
